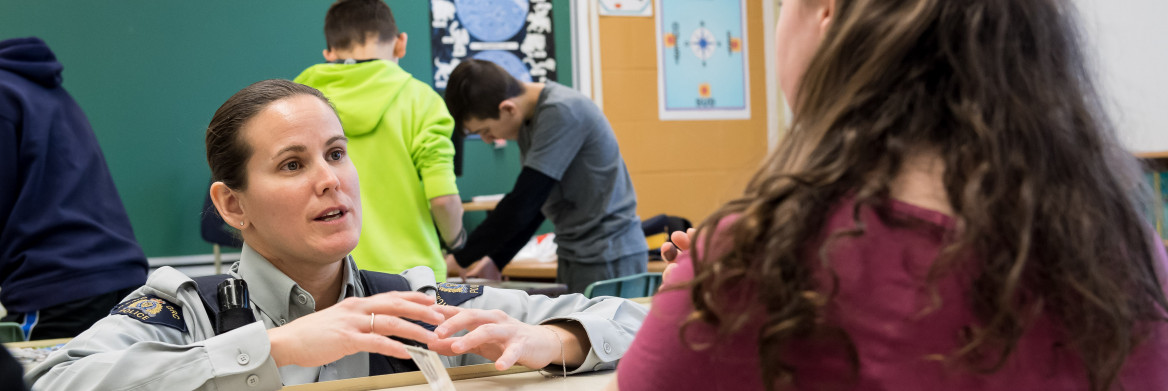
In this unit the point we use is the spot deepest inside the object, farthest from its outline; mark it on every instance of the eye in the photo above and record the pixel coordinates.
(337, 154)
(291, 166)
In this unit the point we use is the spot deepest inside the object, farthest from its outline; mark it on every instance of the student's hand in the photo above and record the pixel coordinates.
(485, 268)
(507, 341)
(452, 267)
(343, 329)
(678, 242)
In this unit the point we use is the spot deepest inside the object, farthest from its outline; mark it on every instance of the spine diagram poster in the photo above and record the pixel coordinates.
(702, 67)
(516, 34)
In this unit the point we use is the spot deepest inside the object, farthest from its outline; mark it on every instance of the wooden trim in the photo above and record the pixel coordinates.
(1152, 155)
(479, 206)
(405, 379)
(44, 343)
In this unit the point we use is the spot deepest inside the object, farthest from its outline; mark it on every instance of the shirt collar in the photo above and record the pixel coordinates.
(276, 294)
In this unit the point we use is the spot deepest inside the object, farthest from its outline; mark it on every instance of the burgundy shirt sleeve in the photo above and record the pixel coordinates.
(659, 360)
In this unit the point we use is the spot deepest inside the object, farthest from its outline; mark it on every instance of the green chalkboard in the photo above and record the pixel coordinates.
(149, 75)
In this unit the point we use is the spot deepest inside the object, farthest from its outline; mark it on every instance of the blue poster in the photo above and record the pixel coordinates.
(702, 69)
(516, 34)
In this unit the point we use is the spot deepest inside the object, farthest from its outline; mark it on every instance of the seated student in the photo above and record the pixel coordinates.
(278, 155)
(572, 173)
(67, 252)
(399, 132)
(951, 211)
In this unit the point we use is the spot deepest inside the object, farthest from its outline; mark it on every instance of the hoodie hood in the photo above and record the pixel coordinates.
(360, 92)
(31, 58)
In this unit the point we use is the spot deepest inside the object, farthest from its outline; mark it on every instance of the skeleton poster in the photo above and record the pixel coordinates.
(516, 34)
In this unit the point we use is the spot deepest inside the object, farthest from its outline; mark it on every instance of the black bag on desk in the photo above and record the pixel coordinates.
(663, 224)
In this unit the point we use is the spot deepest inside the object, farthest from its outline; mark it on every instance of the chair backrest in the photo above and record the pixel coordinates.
(638, 285)
(10, 332)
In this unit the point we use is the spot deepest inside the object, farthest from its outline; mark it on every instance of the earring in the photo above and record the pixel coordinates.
(240, 223)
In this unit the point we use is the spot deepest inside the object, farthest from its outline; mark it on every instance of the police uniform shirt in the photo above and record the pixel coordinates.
(160, 337)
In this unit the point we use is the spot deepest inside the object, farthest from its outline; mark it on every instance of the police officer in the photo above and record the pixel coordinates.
(277, 154)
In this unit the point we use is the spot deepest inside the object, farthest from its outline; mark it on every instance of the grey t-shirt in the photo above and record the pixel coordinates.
(593, 206)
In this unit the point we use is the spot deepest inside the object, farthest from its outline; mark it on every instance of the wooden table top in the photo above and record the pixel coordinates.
(536, 270)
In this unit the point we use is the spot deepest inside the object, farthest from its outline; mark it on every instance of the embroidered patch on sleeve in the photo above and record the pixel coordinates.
(455, 294)
(153, 310)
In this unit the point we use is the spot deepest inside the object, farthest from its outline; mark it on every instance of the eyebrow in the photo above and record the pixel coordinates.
(301, 148)
(334, 139)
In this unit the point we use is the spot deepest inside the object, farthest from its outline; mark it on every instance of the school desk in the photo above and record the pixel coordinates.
(530, 269)
(479, 206)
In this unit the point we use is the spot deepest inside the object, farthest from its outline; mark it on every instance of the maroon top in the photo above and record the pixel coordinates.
(879, 303)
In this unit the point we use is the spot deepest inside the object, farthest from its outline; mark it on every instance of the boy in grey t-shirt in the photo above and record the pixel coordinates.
(573, 174)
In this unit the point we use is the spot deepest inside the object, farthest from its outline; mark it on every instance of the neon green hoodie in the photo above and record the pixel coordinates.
(399, 139)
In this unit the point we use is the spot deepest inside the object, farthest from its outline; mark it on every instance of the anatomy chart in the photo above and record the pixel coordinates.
(516, 34)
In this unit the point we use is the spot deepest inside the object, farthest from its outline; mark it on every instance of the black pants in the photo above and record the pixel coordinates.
(68, 319)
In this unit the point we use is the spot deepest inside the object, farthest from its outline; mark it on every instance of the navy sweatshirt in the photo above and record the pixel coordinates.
(64, 234)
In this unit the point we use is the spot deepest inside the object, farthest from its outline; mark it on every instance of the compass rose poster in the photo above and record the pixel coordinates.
(702, 69)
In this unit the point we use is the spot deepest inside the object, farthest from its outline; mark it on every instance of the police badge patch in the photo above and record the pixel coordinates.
(455, 294)
(154, 310)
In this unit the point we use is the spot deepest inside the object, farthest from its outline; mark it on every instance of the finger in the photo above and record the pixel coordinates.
(467, 320)
(446, 310)
(509, 356)
(398, 327)
(381, 345)
(488, 333)
(668, 252)
(413, 305)
(445, 331)
(442, 346)
(681, 240)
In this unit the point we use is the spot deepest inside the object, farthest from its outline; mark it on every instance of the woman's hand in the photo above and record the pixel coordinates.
(678, 242)
(507, 341)
(343, 329)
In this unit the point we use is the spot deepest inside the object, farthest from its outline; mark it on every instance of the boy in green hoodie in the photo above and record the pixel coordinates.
(399, 139)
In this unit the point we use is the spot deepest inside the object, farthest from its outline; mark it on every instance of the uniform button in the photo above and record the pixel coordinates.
(607, 348)
(253, 381)
(302, 299)
(242, 359)
(283, 321)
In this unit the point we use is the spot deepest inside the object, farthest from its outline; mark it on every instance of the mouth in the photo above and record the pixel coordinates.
(331, 214)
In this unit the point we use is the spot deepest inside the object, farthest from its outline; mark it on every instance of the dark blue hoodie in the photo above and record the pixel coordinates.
(64, 234)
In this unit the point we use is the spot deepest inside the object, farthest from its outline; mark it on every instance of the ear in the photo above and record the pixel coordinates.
(508, 106)
(399, 45)
(228, 204)
(329, 55)
(826, 14)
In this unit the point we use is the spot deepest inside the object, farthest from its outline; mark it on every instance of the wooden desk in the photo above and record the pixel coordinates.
(479, 205)
(534, 270)
(473, 377)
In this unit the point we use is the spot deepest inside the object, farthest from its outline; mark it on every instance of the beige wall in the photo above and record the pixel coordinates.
(686, 168)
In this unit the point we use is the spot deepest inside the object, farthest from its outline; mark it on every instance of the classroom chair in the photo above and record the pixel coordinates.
(10, 332)
(638, 285)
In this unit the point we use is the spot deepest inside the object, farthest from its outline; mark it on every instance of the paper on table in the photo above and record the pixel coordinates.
(431, 366)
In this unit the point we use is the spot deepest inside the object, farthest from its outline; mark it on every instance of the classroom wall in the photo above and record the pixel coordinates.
(1125, 40)
(685, 168)
(150, 74)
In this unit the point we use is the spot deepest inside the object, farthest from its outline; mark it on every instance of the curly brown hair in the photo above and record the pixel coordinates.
(1047, 200)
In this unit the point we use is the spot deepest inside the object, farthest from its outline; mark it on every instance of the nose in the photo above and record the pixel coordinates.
(326, 179)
